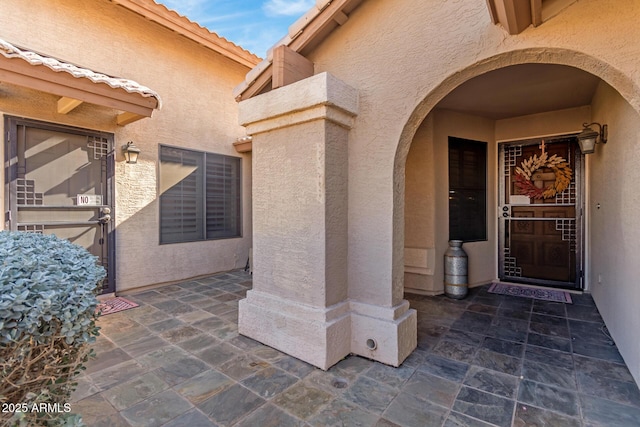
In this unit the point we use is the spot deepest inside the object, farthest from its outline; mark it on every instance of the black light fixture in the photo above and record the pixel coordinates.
(588, 138)
(130, 152)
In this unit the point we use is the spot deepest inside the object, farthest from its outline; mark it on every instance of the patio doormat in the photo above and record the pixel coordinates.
(114, 305)
(535, 293)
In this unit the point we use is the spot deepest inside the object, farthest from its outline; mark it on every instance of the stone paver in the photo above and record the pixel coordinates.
(487, 360)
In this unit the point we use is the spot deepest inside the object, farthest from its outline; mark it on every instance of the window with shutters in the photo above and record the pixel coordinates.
(467, 190)
(199, 196)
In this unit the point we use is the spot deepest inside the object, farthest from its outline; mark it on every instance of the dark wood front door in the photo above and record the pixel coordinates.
(540, 207)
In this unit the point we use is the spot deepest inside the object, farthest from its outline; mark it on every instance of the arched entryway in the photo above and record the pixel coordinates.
(526, 95)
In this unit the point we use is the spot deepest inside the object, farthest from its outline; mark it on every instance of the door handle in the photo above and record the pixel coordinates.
(106, 215)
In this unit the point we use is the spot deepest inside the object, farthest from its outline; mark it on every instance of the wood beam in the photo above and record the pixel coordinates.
(258, 85)
(67, 104)
(328, 15)
(124, 119)
(536, 12)
(289, 67)
(243, 145)
(341, 18)
(514, 15)
(493, 14)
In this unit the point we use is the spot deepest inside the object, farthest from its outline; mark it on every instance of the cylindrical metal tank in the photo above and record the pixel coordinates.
(455, 271)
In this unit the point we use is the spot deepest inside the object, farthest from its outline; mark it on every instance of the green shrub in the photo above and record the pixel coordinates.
(47, 321)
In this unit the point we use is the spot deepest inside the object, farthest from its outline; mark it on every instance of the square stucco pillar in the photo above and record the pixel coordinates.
(299, 301)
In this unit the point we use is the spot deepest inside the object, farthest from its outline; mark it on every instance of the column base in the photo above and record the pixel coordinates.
(387, 335)
(319, 336)
(324, 336)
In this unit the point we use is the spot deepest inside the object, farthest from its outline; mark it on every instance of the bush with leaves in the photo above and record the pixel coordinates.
(47, 321)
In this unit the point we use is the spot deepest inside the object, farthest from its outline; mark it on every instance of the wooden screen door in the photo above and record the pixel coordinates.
(60, 181)
(540, 225)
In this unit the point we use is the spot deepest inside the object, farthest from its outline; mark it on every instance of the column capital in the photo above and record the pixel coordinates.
(322, 96)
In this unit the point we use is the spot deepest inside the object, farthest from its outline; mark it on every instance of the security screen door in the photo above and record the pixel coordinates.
(540, 223)
(59, 182)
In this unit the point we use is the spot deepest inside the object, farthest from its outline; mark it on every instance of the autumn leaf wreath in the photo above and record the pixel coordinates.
(528, 167)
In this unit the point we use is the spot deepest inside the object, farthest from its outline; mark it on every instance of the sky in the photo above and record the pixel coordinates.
(256, 25)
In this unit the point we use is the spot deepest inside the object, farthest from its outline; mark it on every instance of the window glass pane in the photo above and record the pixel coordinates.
(467, 190)
(181, 195)
(199, 196)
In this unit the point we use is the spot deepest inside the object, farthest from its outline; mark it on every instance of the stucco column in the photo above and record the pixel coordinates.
(298, 303)
(300, 300)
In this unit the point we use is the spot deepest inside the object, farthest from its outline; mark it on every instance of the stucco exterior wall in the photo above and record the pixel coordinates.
(482, 255)
(403, 57)
(549, 123)
(614, 233)
(291, 234)
(420, 213)
(427, 200)
(199, 113)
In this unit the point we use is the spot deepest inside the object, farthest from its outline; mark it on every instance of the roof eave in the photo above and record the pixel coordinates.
(170, 19)
(76, 85)
(304, 34)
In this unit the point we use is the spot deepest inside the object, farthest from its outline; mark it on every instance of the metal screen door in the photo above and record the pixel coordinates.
(540, 238)
(59, 182)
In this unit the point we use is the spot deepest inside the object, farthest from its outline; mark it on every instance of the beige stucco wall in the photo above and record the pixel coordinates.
(549, 123)
(614, 232)
(482, 255)
(420, 213)
(403, 57)
(291, 248)
(199, 113)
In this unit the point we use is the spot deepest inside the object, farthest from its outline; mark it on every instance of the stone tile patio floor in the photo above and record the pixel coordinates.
(177, 360)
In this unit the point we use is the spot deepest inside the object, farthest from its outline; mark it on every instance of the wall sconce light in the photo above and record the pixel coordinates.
(588, 138)
(130, 152)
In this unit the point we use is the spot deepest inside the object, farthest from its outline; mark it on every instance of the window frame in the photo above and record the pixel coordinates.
(202, 204)
(480, 189)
